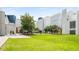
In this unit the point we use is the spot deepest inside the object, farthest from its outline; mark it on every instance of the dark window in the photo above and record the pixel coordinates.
(40, 18)
(11, 18)
(72, 31)
(72, 24)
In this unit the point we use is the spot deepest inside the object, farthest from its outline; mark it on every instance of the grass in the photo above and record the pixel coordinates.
(43, 42)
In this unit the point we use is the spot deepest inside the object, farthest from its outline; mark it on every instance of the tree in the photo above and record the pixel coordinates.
(48, 29)
(36, 30)
(53, 29)
(27, 22)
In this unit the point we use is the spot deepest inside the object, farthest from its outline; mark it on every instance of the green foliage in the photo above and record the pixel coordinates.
(53, 29)
(27, 22)
(36, 29)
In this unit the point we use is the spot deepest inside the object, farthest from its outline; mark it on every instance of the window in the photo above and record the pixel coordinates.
(12, 18)
(72, 24)
(72, 31)
(40, 18)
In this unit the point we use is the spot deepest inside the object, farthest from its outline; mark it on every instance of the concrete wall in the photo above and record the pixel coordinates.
(72, 17)
(47, 21)
(2, 23)
(12, 27)
(64, 22)
(18, 25)
(9, 26)
(67, 17)
(5, 25)
(77, 25)
(56, 19)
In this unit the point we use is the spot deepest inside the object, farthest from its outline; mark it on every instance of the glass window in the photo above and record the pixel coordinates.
(72, 31)
(72, 24)
(11, 18)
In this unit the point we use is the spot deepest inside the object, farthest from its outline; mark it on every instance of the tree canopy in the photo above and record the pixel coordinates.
(53, 29)
(27, 22)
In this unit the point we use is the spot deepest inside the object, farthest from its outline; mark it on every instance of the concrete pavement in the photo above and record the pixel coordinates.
(3, 39)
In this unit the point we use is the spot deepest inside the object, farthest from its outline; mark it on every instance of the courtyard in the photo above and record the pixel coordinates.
(43, 42)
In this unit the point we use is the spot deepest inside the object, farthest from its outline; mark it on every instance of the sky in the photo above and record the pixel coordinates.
(35, 11)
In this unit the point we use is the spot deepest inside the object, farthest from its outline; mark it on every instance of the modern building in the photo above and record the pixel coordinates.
(7, 24)
(47, 21)
(56, 19)
(67, 20)
(40, 23)
(43, 22)
(18, 25)
(70, 22)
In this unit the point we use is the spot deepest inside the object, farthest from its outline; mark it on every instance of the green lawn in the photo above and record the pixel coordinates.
(43, 42)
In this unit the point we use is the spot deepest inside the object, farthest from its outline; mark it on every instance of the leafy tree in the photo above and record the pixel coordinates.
(27, 22)
(36, 30)
(48, 29)
(53, 29)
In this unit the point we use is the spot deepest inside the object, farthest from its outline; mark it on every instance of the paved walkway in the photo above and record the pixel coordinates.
(18, 36)
(3, 39)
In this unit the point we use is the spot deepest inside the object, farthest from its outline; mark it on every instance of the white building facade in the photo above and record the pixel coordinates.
(67, 20)
(43, 22)
(7, 26)
(40, 23)
(18, 25)
(70, 22)
(56, 19)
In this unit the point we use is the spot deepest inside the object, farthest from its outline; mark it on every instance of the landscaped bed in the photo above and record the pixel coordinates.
(43, 42)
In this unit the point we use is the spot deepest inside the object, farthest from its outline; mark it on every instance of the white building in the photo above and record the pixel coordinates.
(56, 19)
(47, 21)
(43, 22)
(40, 23)
(18, 25)
(2, 23)
(67, 20)
(70, 22)
(7, 24)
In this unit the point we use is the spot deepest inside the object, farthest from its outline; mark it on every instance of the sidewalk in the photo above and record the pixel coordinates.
(18, 36)
(3, 39)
